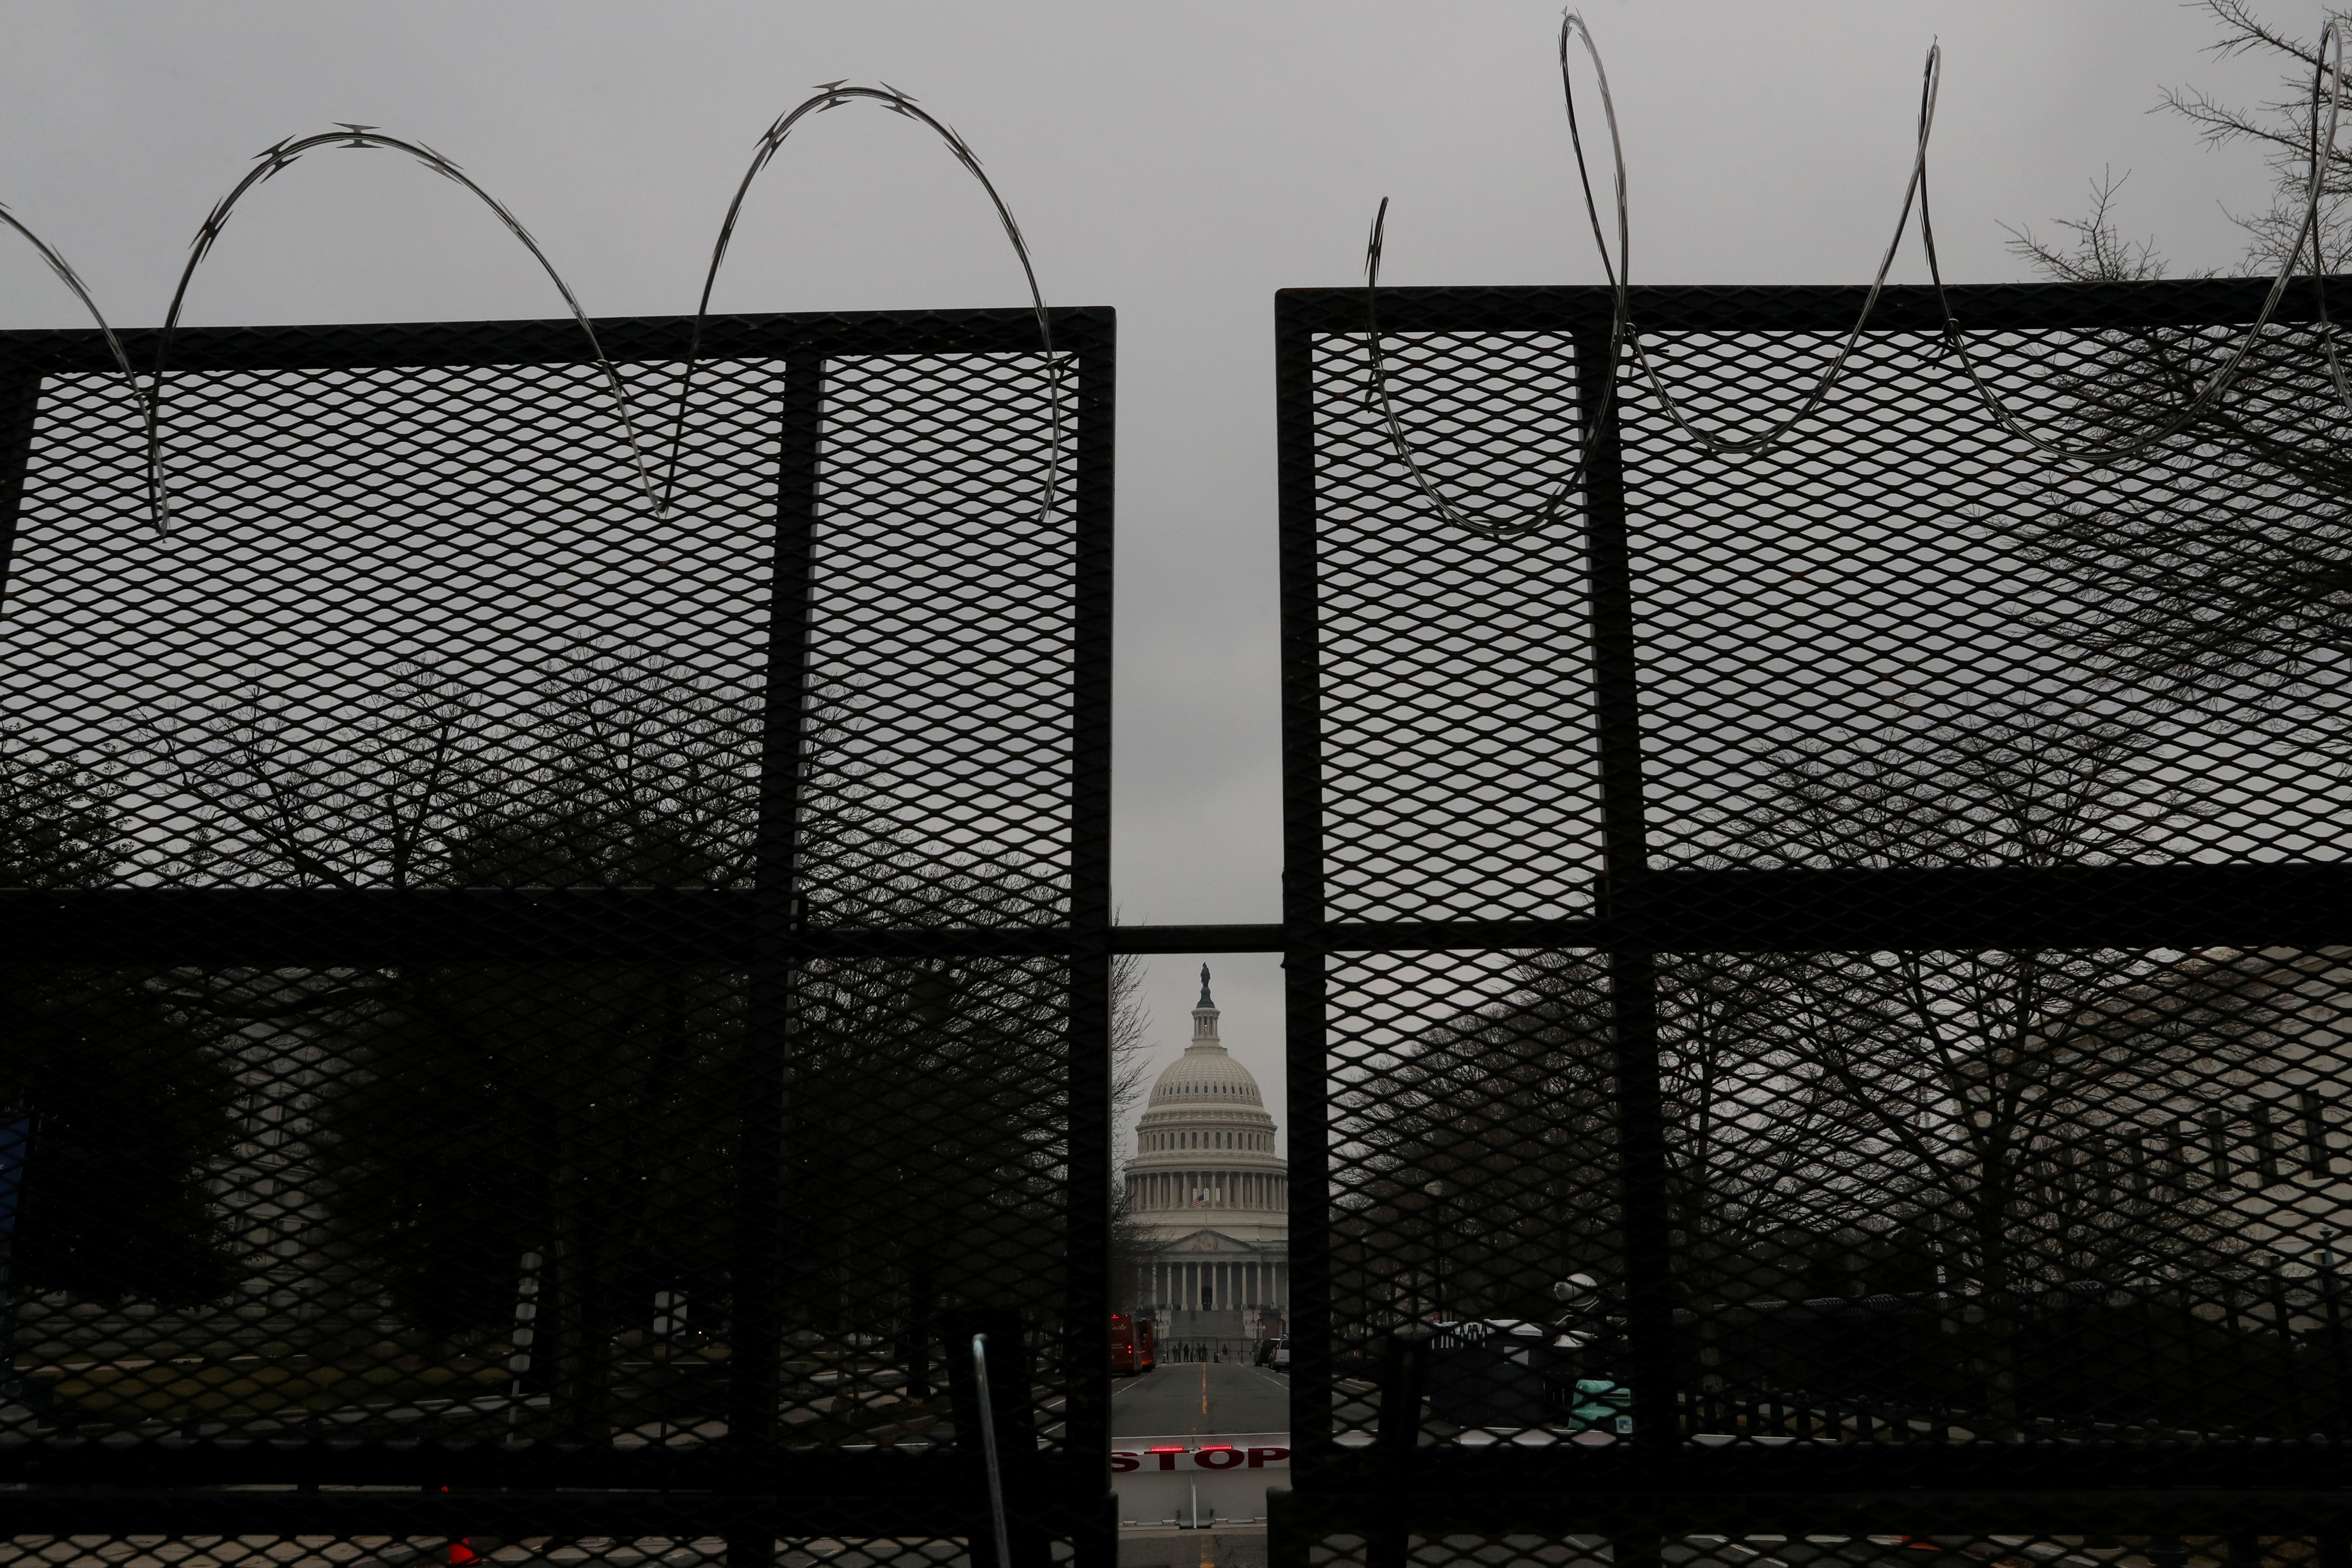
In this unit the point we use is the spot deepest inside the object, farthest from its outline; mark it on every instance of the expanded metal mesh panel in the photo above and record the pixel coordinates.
(1890, 1548)
(1908, 638)
(1458, 772)
(940, 628)
(2122, 1228)
(1473, 1130)
(1824, 967)
(2112, 1218)
(2052, 1530)
(505, 975)
(1901, 591)
(386, 592)
(324, 1552)
(395, 1551)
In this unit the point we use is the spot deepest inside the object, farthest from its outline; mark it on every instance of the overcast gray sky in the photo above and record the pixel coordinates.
(1180, 161)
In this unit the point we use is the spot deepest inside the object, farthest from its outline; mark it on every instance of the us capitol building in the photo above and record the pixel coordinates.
(1209, 1196)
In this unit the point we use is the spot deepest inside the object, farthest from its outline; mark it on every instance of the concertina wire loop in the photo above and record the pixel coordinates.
(148, 395)
(832, 95)
(1625, 335)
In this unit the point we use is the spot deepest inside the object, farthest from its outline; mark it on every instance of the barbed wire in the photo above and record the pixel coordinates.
(2219, 381)
(275, 161)
(72, 279)
(1596, 420)
(1626, 340)
(148, 394)
(833, 95)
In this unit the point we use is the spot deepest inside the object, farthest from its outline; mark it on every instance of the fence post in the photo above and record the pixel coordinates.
(1404, 1374)
(763, 1198)
(2337, 1407)
(2288, 1364)
(1633, 967)
(1085, 1373)
(1305, 1073)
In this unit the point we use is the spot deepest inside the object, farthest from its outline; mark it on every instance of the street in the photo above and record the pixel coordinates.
(1201, 1396)
(1187, 1397)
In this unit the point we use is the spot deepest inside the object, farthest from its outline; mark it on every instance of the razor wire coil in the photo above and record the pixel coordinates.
(659, 497)
(1626, 340)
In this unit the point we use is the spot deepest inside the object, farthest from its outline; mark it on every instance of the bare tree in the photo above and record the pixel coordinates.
(1488, 1166)
(2231, 586)
(584, 1115)
(2285, 128)
(2099, 252)
(1960, 1075)
(1759, 1156)
(587, 1116)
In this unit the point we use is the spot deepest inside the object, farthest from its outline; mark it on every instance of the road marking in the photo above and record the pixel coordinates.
(1204, 1388)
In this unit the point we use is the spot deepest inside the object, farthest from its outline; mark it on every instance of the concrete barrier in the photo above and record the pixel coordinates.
(1195, 1482)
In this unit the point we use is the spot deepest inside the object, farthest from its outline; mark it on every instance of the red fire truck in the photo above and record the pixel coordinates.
(1132, 1346)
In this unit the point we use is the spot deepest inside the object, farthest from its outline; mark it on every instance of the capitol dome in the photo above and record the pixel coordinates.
(1204, 1154)
(1204, 1075)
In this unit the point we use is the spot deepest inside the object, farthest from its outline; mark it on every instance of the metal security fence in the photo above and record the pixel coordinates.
(254, 1529)
(1822, 971)
(508, 990)
(2137, 1529)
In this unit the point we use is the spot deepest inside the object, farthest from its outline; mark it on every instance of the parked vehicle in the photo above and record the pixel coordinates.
(1133, 1346)
(1275, 1352)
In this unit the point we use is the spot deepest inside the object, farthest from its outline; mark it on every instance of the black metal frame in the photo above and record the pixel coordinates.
(1652, 1484)
(751, 1488)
